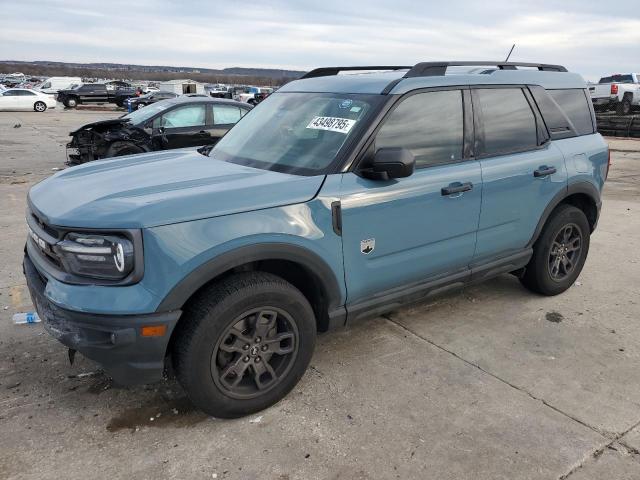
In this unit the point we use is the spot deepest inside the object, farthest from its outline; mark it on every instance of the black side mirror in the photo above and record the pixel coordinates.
(390, 162)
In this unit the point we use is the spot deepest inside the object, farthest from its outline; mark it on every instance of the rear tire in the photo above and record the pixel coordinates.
(39, 106)
(624, 107)
(243, 343)
(559, 253)
(120, 149)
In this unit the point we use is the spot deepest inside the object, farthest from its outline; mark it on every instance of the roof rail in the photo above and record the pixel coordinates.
(429, 69)
(327, 71)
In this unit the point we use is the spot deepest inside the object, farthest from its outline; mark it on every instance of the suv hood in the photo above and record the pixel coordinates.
(160, 188)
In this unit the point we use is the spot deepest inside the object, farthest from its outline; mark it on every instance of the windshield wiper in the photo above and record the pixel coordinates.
(206, 150)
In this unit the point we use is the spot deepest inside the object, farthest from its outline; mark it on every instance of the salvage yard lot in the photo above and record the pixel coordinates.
(491, 382)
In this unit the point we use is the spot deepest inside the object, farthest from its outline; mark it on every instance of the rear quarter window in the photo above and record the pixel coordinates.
(555, 119)
(575, 104)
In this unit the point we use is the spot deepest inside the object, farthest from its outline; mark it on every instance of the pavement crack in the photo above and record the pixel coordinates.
(611, 436)
(599, 451)
(506, 382)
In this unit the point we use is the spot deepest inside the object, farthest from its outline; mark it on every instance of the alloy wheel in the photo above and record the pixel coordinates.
(565, 251)
(254, 353)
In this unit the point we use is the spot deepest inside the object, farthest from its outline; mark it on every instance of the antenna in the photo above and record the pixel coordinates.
(510, 51)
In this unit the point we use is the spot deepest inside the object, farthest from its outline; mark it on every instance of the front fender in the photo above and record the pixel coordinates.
(180, 258)
(217, 265)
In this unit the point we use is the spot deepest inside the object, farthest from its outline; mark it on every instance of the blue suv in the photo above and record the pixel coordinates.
(339, 197)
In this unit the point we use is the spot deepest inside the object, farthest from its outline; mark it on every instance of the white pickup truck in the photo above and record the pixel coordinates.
(620, 92)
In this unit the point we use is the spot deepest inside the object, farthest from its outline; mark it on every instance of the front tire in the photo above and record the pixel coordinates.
(243, 343)
(39, 106)
(71, 103)
(559, 253)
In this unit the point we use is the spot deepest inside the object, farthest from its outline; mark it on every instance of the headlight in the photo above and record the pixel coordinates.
(108, 257)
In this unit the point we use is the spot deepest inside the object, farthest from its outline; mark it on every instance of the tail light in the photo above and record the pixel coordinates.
(614, 89)
(606, 175)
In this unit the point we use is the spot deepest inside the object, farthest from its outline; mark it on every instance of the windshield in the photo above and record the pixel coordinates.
(138, 117)
(299, 133)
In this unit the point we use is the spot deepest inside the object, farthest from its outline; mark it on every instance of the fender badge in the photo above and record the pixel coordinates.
(367, 246)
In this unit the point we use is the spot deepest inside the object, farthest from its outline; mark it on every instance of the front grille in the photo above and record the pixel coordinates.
(50, 230)
(83, 137)
(47, 236)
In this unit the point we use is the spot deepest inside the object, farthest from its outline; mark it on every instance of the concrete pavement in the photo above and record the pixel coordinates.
(491, 382)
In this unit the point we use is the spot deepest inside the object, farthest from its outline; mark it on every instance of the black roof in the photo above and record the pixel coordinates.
(426, 69)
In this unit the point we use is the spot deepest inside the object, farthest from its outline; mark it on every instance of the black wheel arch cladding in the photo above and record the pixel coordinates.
(571, 194)
(308, 261)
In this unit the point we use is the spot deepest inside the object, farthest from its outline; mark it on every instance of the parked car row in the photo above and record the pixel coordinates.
(619, 92)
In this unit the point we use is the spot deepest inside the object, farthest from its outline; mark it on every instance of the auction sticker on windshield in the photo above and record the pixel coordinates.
(332, 124)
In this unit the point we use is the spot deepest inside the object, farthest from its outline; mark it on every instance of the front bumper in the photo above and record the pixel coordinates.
(114, 341)
(77, 155)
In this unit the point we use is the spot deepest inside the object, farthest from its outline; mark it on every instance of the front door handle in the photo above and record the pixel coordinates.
(456, 187)
(204, 133)
(543, 171)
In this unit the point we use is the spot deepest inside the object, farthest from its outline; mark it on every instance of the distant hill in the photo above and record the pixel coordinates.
(269, 76)
(263, 72)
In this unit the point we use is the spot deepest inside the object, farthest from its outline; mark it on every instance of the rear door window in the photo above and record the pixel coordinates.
(575, 105)
(186, 116)
(507, 121)
(226, 114)
(429, 124)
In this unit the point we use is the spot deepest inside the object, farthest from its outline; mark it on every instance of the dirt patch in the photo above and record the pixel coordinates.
(160, 412)
(554, 317)
(101, 385)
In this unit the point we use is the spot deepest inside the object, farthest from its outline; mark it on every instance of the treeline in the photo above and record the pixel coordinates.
(61, 71)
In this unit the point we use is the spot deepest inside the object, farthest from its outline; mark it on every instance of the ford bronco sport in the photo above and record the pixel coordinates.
(338, 197)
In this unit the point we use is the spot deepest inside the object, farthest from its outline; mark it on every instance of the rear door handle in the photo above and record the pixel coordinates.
(456, 187)
(543, 171)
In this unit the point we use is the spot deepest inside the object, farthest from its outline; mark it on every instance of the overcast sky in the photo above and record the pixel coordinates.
(590, 37)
